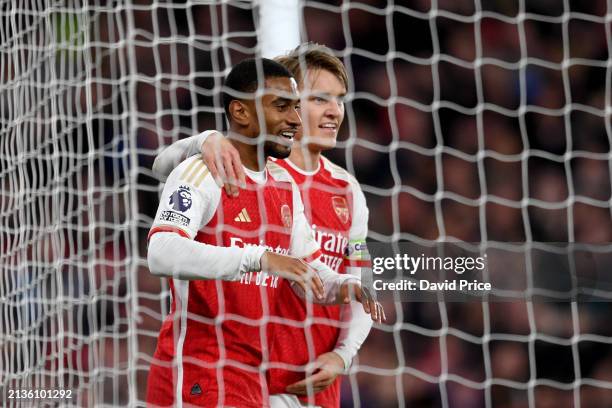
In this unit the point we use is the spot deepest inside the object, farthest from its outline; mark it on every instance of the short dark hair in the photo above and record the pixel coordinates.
(244, 78)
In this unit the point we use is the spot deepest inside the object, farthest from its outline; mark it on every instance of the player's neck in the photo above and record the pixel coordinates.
(248, 155)
(304, 158)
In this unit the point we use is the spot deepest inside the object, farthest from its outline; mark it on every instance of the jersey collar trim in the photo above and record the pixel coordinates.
(302, 171)
(259, 177)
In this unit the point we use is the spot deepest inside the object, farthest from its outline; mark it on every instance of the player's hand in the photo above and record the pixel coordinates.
(327, 367)
(294, 269)
(223, 161)
(353, 290)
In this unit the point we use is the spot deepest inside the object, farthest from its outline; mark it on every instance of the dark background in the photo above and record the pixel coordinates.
(470, 120)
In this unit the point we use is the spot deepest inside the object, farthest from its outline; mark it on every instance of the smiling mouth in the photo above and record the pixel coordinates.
(329, 126)
(288, 134)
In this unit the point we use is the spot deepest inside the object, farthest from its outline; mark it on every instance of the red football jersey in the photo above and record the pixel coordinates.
(212, 345)
(331, 198)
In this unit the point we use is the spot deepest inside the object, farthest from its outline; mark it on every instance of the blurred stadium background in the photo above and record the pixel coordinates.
(477, 120)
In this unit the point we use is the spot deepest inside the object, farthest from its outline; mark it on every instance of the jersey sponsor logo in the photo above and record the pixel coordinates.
(286, 215)
(180, 200)
(330, 241)
(174, 218)
(238, 242)
(332, 261)
(260, 278)
(243, 216)
(341, 208)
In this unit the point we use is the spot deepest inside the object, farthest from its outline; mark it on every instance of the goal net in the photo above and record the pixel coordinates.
(478, 121)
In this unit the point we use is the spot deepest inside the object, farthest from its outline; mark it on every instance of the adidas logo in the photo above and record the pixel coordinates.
(243, 216)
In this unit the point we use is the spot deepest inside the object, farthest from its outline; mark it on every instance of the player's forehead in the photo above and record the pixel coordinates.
(281, 87)
(319, 80)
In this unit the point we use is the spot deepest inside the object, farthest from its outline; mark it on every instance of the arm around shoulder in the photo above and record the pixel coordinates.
(178, 151)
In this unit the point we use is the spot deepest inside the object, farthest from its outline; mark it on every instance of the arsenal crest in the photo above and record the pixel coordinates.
(286, 215)
(341, 208)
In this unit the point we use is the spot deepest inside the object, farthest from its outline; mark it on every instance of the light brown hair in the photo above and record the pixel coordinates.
(313, 56)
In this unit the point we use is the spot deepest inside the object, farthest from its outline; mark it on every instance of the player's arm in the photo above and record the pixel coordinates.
(219, 155)
(174, 255)
(356, 325)
(173, 155)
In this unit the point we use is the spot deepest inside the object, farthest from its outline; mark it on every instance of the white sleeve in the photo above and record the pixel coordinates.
(178, 151)
(332, 281)
(189, 199)
(356, 323)
(175, 256)
(188, 202)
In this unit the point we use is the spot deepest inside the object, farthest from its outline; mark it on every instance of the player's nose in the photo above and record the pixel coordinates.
(334, 108)
(293, 118)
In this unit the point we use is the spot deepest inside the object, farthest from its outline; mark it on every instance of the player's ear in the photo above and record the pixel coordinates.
(239, 112)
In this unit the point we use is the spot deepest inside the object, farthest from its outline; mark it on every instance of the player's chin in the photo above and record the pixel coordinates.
(277, 150)
(321, 142)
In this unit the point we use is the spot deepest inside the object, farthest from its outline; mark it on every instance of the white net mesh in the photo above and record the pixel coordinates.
(70, 252)
(475, 120)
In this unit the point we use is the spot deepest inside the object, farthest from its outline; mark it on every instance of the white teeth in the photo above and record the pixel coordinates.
(287, 134)
(328, 126)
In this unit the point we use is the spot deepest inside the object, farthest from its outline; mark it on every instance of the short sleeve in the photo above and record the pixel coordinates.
(188, 201)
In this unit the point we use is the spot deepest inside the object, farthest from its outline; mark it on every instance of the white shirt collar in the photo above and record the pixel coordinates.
(302, 171)
(258, 177)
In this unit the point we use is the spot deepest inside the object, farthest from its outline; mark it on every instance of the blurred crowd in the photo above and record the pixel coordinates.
(481, 121)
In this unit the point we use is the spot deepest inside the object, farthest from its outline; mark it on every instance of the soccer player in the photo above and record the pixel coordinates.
(335, 207)
(228, 257)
